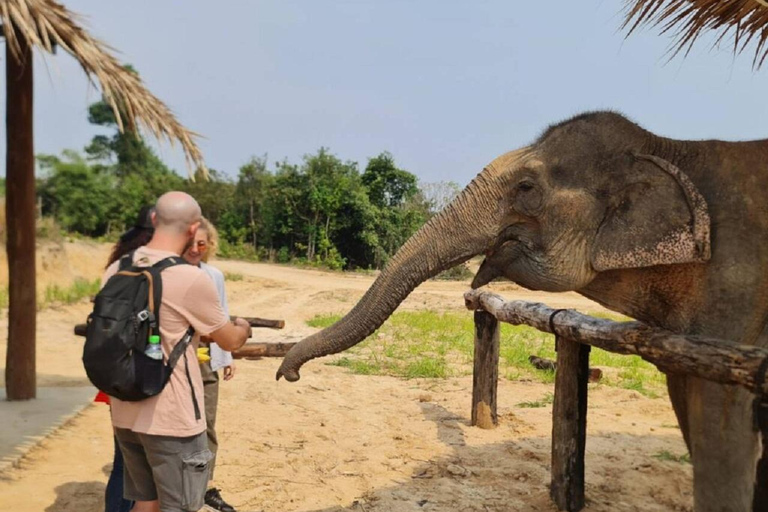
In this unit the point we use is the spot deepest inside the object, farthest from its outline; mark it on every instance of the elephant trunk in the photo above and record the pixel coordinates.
(466, 227)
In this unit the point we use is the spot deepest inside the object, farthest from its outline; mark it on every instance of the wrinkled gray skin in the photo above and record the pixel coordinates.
(603, 207)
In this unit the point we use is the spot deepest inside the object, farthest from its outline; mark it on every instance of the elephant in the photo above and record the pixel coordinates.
(673, 233)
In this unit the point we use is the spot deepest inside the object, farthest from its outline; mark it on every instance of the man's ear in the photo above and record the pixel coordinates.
(193, 228)
(656, 217)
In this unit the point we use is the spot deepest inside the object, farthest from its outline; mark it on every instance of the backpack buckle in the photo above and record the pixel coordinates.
(143, 315)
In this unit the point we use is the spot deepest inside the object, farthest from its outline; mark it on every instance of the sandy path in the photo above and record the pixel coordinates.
(337, 441)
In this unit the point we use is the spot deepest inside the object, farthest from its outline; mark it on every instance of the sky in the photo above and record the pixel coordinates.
(445, 86)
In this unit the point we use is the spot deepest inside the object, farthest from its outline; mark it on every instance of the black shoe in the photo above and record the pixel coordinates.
(214, 500)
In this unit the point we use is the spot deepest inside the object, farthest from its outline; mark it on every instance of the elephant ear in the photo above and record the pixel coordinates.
(656, 217)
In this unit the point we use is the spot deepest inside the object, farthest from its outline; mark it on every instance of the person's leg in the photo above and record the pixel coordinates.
(211, 391)
(113, 496)
(146, 506)
(180, 470)
(138, 481)
(211, 399)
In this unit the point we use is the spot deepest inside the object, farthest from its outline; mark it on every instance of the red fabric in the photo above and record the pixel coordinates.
(102, 397)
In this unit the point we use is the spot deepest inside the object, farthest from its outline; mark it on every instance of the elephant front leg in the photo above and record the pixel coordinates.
(761, 480)
(724, 446)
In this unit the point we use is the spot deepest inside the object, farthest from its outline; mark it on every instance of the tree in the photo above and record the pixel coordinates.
(76, 194)
(439, 194)
(387, 185)
(401, 209)
(252, 192)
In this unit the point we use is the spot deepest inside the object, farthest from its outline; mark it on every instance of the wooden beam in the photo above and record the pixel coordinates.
(485, 376)
(569, 426)
(254, 321)
(20, 380)
(254, 350)
(706, 358)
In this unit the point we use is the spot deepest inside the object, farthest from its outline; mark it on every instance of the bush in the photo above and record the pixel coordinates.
(237, 251)
(232, 276)
(457, 273)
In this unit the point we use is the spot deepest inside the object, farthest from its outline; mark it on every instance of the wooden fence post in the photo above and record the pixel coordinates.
(569, 425)
(485, 376)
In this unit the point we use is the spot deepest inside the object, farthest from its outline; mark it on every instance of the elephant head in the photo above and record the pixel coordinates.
(590, 195)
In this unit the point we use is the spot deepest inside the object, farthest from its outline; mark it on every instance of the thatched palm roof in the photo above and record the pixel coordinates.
(45, 23)
(745, 20)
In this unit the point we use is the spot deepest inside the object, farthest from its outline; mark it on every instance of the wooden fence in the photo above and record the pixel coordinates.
(707, 358)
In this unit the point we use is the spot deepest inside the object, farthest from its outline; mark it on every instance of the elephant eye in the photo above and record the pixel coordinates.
(525, 186)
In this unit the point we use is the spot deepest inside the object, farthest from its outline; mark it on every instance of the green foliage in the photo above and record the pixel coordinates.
(547, 399)
(233, 276)
(457, 273)
(75, 193)
(665, 455)
(321, 212)
(78, 290)
(441, 344)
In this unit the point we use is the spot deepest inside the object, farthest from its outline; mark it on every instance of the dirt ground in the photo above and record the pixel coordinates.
(341, 442)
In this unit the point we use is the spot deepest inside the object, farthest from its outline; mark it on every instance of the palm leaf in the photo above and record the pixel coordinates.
(44, 24)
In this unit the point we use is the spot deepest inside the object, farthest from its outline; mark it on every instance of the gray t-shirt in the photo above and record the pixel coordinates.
(219, 357)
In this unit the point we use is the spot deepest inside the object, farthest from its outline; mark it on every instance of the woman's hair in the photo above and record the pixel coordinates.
(130, 241)
(213, 238)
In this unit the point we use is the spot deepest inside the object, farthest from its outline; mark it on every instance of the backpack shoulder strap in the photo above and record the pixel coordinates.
(180, 347)
(170, 261)
(126, 262)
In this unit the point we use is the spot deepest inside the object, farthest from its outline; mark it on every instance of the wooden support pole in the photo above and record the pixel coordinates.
(20, 380)
(485, 376)
(707, 358)
(569, 425)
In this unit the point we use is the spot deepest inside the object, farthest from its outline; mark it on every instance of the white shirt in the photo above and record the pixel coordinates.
(220, 358)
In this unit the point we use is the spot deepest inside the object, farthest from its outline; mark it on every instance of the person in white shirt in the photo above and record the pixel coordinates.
(198, 253)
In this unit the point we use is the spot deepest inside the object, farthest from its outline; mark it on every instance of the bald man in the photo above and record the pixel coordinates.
(163, 438)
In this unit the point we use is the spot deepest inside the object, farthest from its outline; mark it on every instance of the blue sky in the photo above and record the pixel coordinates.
(445, 86)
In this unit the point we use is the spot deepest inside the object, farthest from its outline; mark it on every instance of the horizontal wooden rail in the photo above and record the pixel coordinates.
(254, 321)
(707, 358)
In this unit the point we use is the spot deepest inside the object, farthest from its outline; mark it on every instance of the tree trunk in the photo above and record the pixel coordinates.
(253, 226)
(20, 218)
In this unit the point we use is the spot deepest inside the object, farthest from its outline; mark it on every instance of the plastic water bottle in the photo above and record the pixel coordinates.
(153, 349)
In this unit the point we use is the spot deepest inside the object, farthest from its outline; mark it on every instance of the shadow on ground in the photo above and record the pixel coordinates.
(78, 497)
(515, 475)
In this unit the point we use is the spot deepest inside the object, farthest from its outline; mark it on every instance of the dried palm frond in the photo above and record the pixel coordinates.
(746, 20)
(45, 23)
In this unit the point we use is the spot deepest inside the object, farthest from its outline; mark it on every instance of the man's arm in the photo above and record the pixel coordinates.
(232, 336)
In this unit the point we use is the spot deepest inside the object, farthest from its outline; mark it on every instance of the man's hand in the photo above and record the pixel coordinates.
(229, 371)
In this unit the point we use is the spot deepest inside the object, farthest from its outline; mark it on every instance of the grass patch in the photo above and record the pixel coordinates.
(323, 321)
(671, 457)
(547, 399)
(233, 276)
(80, 289)
(429, 344)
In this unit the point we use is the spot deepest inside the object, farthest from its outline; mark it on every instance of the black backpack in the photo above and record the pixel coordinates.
(125, 314)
